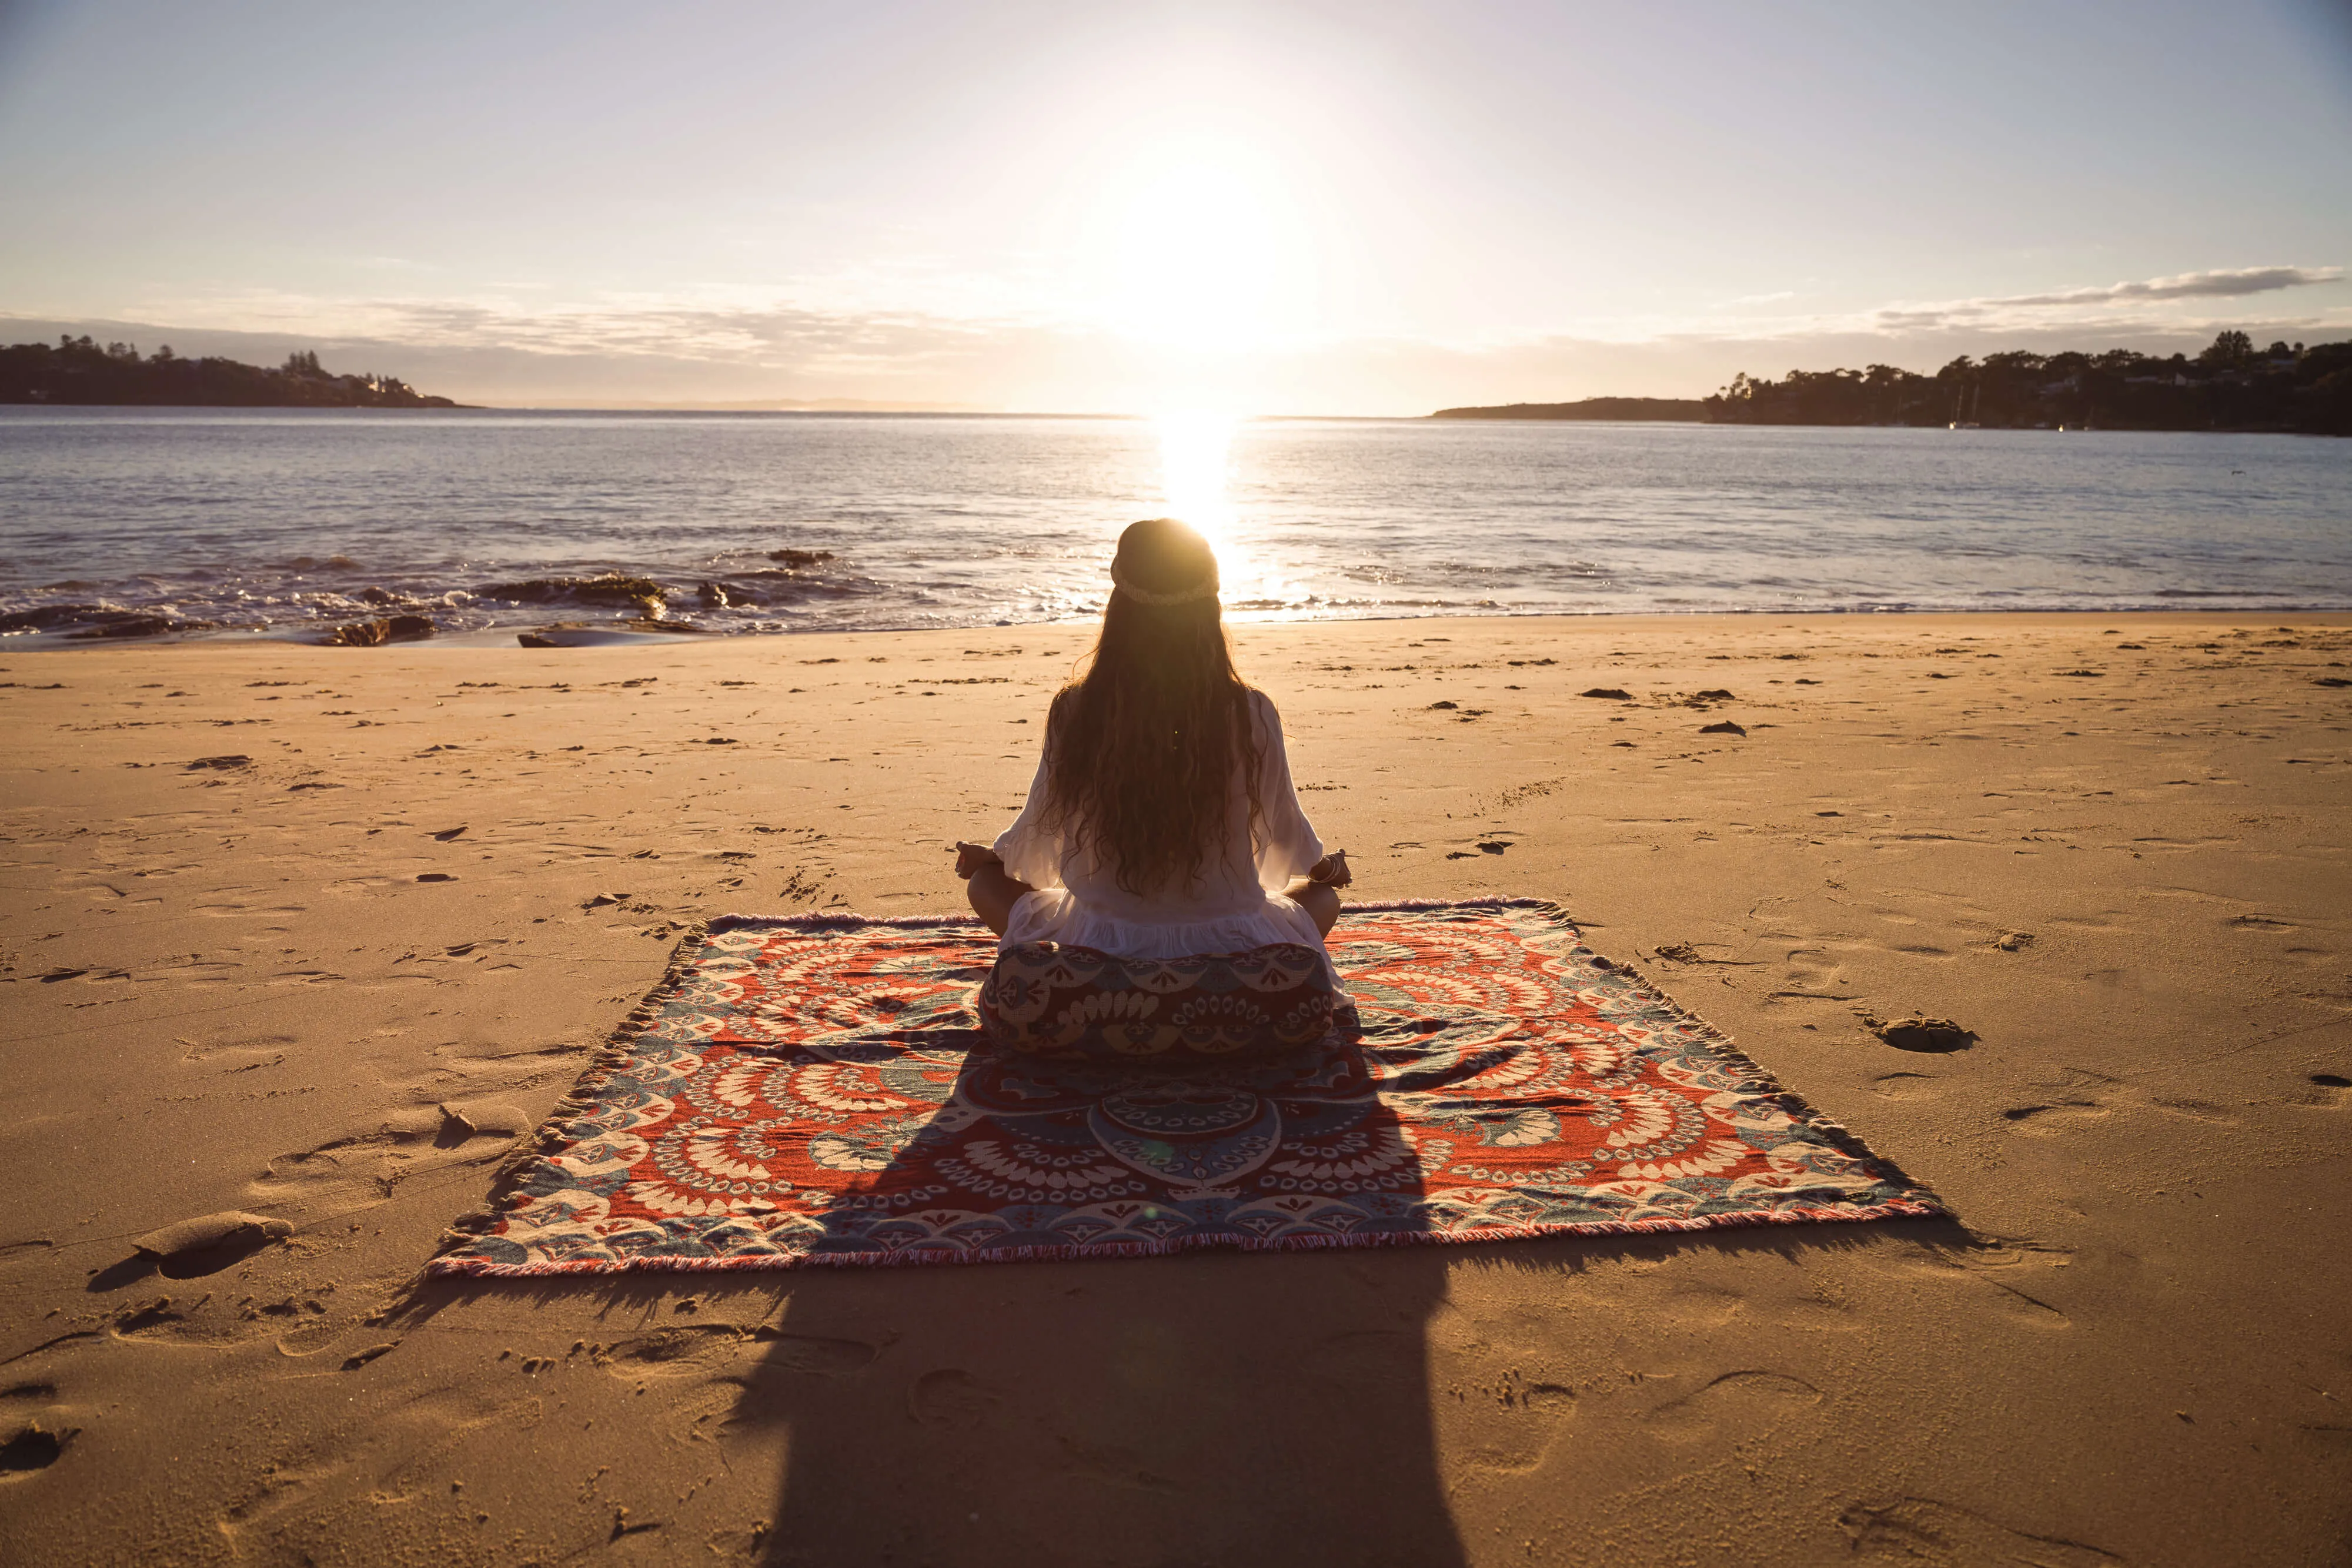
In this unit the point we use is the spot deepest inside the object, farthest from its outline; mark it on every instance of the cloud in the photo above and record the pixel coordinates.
(2228, 283)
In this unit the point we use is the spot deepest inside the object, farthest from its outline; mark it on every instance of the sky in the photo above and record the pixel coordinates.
(1347, 208)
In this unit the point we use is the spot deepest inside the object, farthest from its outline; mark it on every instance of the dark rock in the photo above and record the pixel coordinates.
(221, 762)
(1725, 727)
(373, 633)
(1612, 693)
(1444, 705)
(49, 617)
(139, 626)
(1717, 695)
(609, 634)
(801, 558)
(606, 587)
(728, 596)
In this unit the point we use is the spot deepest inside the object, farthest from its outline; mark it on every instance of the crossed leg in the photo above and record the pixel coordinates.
(993, 892)
(1319, 899)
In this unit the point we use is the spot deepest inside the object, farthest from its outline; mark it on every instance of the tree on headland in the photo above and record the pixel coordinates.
(2228, 350)
(2228, 386)
(76, 370)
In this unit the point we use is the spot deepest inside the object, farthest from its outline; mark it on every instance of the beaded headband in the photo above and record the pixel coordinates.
(1206, 589)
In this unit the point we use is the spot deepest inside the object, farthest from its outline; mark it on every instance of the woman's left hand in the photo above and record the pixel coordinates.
(970, 858)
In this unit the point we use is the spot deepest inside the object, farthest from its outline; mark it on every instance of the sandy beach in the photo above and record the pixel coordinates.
(315, 934)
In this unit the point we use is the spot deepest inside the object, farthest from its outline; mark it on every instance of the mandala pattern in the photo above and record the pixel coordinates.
(815, 1090)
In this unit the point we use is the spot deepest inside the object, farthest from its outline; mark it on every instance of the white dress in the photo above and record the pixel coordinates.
(1236, 904)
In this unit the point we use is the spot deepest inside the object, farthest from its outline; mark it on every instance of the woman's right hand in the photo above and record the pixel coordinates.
(1331, 870)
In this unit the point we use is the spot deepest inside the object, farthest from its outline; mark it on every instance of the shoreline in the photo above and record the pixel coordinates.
(1443, 417)
(632, 635)
(321, 940)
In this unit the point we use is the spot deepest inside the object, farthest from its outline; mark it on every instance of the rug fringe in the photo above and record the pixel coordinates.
(1897, 1209)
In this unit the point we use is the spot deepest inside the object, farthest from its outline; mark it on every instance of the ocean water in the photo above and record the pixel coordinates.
(280, 522)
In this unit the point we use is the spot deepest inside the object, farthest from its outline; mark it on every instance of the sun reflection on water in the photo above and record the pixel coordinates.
(1196, 455)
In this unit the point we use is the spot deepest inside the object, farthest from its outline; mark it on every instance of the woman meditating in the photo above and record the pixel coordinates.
(1161, 823)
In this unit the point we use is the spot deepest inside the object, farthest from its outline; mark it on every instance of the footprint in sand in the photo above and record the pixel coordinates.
(210, 1242)
(691, 1350)
(1922, 1530)
(1751, 1402)
(2014, 1272)
(1919, 1033)
(816, 1355)
(34, 1447)
(1905, 1085)
(362, 1167)
(700, 1349)
(1703, 1306)
(950, 1397)
(2053, 1116)
(1506, 1424)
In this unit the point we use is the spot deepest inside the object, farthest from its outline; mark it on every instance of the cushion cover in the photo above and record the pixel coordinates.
(1049, 999)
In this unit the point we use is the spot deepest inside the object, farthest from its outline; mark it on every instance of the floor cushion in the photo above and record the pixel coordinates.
(1050, 999)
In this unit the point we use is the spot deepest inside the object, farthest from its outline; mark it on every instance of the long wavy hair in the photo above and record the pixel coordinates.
(1147, 741)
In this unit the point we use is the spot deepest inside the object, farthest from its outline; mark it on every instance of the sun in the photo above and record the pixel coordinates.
(1208, 253)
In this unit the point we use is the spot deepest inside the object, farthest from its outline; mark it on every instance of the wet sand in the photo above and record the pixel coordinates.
(310, 933)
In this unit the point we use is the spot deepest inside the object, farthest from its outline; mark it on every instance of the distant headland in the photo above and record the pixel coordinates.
(1666, 408)
(76, 371)
(2231, 385)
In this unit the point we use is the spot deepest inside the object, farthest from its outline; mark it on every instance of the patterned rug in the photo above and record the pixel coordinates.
(805, 1090)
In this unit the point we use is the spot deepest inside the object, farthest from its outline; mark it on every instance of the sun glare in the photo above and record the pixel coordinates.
(1195, 461)
(1196, 455)
(1207, 254)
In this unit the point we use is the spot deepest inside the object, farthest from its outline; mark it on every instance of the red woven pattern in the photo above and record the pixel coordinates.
(809, 1092)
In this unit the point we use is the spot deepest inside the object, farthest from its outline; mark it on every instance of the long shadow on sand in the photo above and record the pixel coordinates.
(1200, 1408)
(1213, 1408)
(1219, 1407)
